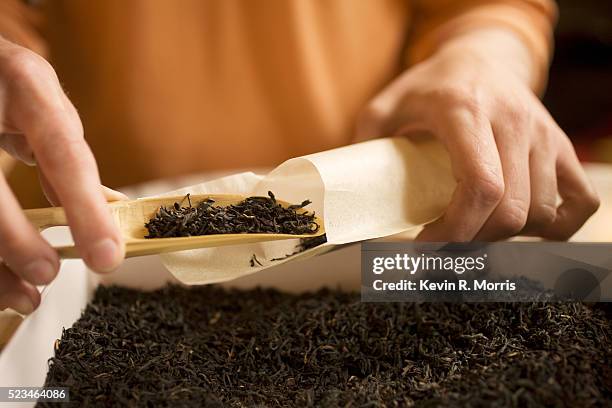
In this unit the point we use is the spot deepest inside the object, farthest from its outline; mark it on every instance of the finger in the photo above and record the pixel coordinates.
(17, 146)
(16, 293)
(48, 189)
(109, 194)
(477, 168)
(543, 180)
(55, 134)
(510, 215)
(21, 246)
(580, 200)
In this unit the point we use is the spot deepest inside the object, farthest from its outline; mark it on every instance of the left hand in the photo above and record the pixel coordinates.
(509, 157)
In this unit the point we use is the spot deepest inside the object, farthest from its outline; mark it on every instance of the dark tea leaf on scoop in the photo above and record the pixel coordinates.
(254, 261)
(252, 215)
(303, 245)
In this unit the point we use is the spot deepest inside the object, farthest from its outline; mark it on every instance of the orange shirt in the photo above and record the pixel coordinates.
(173, 87)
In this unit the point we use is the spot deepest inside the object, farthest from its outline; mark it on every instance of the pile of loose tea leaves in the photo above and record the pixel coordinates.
(212, 347)
(252, 215)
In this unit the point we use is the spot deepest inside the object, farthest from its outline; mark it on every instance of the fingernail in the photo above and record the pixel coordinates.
(104, 256)
(39, 272)
(22, 304)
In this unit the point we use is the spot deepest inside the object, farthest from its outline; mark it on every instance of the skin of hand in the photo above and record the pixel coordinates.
(39, 125)
(509, 157)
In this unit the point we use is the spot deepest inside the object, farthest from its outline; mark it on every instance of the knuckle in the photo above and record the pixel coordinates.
(518, 122)
(512, 220)
(591, 202)
(66, 153)
(541, 215)
(460, 97)
(563, 143)
(487, 189)
(516, 111)
(547, 139)
(544, 127)
(550, 137)
(22, 65)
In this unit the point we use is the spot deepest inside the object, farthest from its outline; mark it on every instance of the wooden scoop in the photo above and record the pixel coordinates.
(131, 217)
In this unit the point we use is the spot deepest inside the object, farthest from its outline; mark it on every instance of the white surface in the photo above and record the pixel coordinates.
(23, 362)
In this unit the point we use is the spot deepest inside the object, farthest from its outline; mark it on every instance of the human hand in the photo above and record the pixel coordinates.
(508, 156)
(39, 125)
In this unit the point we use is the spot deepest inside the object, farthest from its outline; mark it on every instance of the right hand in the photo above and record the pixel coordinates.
(40, 126)
(508, 156)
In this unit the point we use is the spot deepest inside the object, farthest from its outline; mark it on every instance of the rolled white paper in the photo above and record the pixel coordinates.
(363, 191)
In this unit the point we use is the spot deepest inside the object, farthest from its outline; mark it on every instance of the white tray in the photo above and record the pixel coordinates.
(24, 360)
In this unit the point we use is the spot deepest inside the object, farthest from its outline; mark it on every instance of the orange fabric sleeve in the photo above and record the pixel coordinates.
(435, 21)
(19, 23)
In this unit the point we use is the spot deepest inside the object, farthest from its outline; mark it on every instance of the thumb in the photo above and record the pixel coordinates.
(113, 195)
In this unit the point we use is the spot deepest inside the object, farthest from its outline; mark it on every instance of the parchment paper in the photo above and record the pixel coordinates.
(363, 191)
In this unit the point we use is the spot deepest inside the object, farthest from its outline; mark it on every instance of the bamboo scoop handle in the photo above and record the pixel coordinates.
(130, 215)
(43, 218)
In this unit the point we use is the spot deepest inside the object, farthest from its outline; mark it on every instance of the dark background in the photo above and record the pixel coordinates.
(579, 93)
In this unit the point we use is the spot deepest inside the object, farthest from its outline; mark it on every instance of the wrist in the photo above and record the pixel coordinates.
(494, 49)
